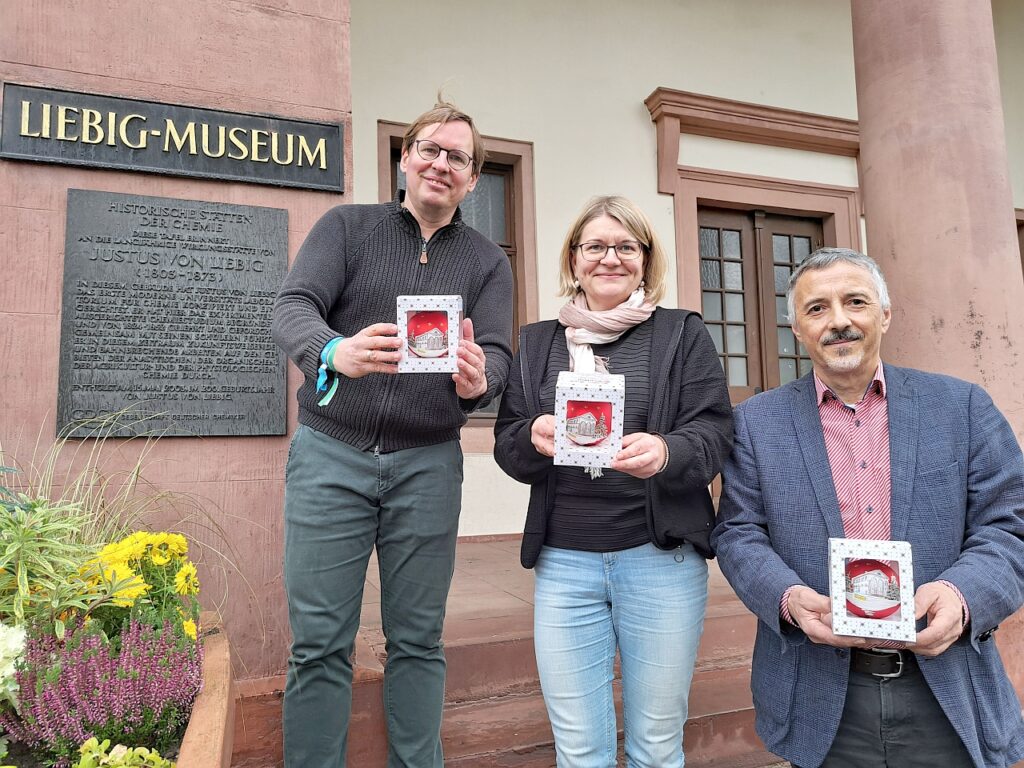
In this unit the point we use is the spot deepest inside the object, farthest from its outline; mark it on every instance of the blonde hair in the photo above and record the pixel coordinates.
(443, 112)
(626, 212)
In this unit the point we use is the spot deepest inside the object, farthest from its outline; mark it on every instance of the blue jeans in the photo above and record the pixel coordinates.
(650, 604)
(340, 503)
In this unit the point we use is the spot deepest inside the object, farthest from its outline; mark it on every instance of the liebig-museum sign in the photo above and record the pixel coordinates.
(52, 126)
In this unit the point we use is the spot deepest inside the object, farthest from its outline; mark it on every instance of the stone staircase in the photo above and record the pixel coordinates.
(494, 712)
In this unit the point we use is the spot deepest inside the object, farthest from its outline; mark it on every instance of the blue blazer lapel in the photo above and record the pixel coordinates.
(904, 416)
(812, 445)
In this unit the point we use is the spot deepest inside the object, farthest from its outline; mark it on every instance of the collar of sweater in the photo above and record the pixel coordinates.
(405, 215)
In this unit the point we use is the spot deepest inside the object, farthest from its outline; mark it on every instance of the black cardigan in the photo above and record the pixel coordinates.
(689, 406)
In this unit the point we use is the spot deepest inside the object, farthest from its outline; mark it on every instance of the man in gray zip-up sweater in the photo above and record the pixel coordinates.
(375, 461)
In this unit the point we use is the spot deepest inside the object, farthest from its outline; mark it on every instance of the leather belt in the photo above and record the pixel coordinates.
(880, 662)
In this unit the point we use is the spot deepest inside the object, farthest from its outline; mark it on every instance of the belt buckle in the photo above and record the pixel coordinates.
(899, 662)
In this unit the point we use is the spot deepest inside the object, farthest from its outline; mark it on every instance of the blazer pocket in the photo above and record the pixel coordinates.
(774, 678)
(995, 703)
(940, 472)
(941, 487)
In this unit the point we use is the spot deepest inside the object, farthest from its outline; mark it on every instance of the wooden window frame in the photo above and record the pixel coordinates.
(677, 112)
(766, 260)
(837, 207)
(720, 219)
(757, 229)
(478, 434)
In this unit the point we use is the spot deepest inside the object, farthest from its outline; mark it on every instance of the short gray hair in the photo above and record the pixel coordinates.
(826, 257)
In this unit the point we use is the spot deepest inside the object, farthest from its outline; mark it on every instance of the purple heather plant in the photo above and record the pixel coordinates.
(136, 690)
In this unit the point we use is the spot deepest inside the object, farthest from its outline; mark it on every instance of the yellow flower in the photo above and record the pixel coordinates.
(165, 546)
(158, 551)
(159, 557)
(176, 544)
(131, 548)
(186, 580)
(190, 628)
(130, 584)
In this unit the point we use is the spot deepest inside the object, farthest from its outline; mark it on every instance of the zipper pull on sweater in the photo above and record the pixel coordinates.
(423, 253)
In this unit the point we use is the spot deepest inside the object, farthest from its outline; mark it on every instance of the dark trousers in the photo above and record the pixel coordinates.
(340, 503)
(895, 723)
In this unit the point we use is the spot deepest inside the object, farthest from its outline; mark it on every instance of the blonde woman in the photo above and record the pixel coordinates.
(619, 559)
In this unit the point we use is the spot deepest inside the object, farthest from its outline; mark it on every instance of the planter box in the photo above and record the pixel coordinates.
(209, 739)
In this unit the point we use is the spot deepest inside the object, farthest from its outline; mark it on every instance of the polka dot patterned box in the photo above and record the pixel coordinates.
(588, 418)
(872, 588)
(430, 328)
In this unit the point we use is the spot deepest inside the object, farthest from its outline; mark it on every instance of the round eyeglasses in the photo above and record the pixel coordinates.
(429, 150)
(595, 250)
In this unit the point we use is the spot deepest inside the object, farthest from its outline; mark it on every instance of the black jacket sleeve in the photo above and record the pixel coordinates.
(513, 446)
(701, 433)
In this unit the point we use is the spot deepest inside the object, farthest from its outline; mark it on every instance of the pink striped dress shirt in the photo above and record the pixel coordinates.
(857, 443)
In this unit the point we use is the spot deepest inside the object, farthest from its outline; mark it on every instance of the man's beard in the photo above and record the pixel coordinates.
(844, 360)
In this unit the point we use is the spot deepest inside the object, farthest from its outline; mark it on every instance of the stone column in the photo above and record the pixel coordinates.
(938, 203)
(934, 175)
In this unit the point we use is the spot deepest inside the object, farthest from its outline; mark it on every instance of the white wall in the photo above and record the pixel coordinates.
(773, 162)
(571, 77)
(1008, 18)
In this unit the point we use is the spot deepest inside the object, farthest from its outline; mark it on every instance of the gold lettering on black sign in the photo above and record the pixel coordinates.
(62, 122)
(54, 126)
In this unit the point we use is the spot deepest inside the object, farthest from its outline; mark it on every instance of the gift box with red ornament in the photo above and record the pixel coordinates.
(588, 418)
(872, 589)
(429, 328)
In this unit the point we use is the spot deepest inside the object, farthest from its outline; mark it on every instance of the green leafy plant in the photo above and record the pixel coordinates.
(95, 755)
(99, 602)
(102, 480)
(99, 478)
(8, 498)
(41, 564)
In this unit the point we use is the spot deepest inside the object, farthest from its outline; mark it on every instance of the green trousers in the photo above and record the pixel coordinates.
(340, 503)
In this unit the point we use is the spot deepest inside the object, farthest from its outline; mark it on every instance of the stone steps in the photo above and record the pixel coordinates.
(494, 712)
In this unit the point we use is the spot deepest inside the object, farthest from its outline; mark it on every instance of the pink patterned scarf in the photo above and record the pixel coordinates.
(584, 326)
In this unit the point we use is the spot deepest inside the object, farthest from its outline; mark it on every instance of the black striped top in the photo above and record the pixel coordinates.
(606, 514)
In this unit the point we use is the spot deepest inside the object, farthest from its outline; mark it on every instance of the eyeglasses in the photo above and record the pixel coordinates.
(595, 250)
(429, 150)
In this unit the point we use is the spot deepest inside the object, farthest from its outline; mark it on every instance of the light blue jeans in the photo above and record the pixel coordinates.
(650, 604)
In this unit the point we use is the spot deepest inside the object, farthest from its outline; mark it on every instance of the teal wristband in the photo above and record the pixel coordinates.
(324, 372)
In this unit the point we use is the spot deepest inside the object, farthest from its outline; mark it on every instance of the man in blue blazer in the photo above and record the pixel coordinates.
(859, 449)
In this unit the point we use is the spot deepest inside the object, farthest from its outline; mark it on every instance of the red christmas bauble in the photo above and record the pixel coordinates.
(588, 422)
(428, 334)
(873, 589)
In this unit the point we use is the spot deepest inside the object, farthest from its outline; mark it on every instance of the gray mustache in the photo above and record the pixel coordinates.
(847, 334)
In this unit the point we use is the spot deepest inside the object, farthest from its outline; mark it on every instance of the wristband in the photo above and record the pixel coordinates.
(322, 374)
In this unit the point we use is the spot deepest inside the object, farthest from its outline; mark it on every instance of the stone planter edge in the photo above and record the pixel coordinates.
(209, 738)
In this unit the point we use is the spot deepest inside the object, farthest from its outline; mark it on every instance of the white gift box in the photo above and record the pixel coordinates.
(430, 328)
(588, 418)
(872, 588)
